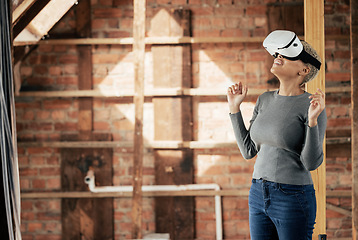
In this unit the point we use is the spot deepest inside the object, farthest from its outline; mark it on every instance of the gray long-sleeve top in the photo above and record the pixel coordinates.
(287, 148)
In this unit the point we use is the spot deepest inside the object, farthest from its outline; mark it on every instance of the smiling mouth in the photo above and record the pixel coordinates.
(277, 62)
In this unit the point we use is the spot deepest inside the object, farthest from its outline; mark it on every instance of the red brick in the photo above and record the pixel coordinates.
(48, 236)
(123, 125)
(34, 226)
(70, 69)
(202, 11)
(113, 23)
(27, 172)
(47, 216)
(66, 126)
(42, 115)
(58, 115)
(39, 150)
(27, 216)
(27, 105)
(106, 2)
(25, 184)
(41, 70)
(232, 33)
(26, 205)
(118, 34)
(38, 184)
(67, 80)
(60, 48)
(68, 59)
(108, 13)
(340, 111)
(34, 81)
(339, 122)
(126, 23)
(28, 115)
(37, 160)
(41, 59)
(98, 24)
(256, 10)
(50, 171)
(338, 77)
(26, 71)
(57, 104)
(105, 58)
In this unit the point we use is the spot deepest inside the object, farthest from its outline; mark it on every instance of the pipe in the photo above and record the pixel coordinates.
(90, 181)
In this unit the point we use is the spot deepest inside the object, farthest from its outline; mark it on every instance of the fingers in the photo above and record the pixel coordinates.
(318, 96)
(237, 88)
(319, 93)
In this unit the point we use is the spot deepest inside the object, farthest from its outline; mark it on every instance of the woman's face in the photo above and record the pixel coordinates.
(284, 68)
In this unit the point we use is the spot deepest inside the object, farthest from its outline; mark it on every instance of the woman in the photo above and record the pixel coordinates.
(286, 133)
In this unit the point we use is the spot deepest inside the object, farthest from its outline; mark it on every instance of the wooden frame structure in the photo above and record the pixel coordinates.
(314, 33)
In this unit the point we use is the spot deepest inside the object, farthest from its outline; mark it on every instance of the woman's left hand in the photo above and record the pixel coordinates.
(316, 107)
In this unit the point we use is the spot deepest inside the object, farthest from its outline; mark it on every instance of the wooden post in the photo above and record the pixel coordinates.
(139, 54)
(85, 218)
(172, 69)
(314, 35)
(354, 99)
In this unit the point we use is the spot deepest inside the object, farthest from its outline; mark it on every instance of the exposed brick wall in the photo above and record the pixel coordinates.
(213, 66)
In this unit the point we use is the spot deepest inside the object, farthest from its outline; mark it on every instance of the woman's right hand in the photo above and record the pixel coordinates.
(235, 96)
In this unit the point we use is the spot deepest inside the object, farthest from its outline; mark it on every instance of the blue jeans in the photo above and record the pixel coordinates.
(281, 211)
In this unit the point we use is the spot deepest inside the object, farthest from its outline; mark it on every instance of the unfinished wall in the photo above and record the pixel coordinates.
(213, 66)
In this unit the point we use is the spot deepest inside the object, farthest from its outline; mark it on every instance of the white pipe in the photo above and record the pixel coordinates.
(90, 180)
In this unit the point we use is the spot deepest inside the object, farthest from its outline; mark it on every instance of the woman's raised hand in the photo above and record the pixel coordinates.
(236, 94)
(316, 107)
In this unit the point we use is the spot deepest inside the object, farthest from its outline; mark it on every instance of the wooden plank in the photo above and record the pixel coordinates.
(82, 218)
(354, 103)
(85, 82)
(314, 35)
(198, 193)
(139, 55)
(156, 40)
(85, 218)
(172, 68)
(21, 10)
(30, 14)
(338, 146)
(157, 92)
(77, 194)
(286, 15)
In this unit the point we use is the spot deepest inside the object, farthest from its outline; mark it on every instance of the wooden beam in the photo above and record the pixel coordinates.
(172, 68)
(157, 92)
(354, 121)
(73, 194)
(198, 193)
(21, 10)
(155, 40)
(139, 55)
(153, 144)
(32, 9)
(40, 22)
(314, 35)
(85, 218)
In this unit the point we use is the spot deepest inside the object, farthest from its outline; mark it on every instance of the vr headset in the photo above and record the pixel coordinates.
(288, 45)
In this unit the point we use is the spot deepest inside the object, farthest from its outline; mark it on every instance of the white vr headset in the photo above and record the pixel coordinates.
(288, 45)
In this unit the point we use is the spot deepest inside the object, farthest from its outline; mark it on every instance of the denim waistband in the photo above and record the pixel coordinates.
(275, 184)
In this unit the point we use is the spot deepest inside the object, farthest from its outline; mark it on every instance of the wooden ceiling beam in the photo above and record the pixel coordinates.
(21, 10)
(42, 16)
(29, 9)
